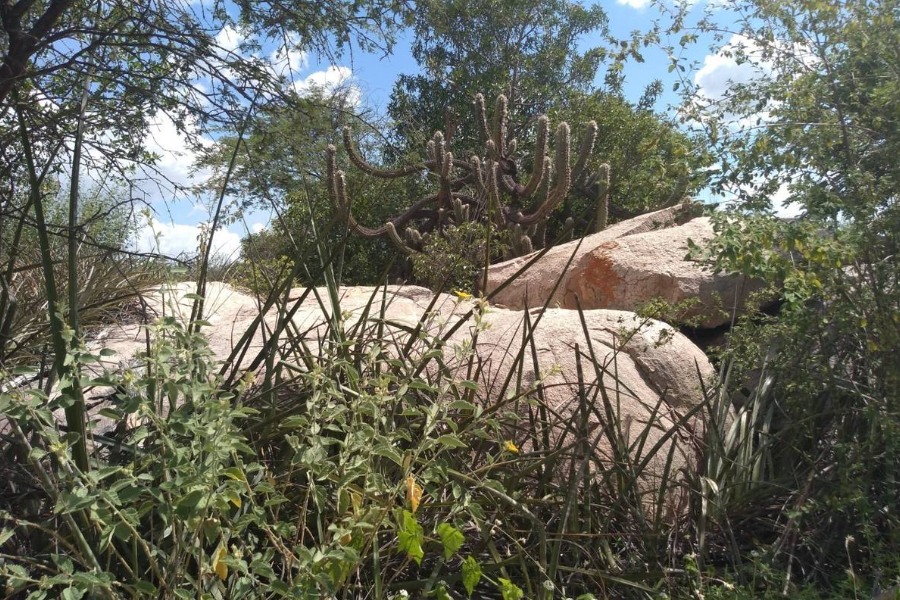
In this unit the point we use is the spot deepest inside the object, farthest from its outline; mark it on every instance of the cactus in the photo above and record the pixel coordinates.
(679, 192)
(602, 217)
(484, 188)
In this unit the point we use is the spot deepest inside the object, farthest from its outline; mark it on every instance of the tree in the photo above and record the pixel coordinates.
(527, 51)
(820, 122)
(79, 82)
(281, 166)
(652, 164)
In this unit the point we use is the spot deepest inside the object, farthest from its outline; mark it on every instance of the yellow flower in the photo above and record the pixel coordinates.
(510, 447)
(413, 492)
(462, 295)
(218, 566)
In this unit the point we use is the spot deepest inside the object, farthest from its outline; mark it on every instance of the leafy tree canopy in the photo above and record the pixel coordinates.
(526, 50)
(819, 124)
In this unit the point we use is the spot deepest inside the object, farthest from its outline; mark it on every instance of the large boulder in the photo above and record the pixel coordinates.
(624, 267)
(648, 372)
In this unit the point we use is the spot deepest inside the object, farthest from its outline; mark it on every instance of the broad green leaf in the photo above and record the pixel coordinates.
(71, 594)
(190, 503)
(5, 534)
(451, 538)
(509, 590)
(410, 537)
(471, 574)
(451, 441)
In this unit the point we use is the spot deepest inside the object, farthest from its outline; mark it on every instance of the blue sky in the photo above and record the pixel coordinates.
(177, 221)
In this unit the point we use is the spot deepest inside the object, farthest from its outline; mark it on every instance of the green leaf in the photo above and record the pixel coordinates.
(111, 413)
(509, 590)
(71, 594)
(451, 538)
(5, 534)
(146, 588)
(190, 503)
(235, 473)
(451, 441)
(410, 537)
(471, 574)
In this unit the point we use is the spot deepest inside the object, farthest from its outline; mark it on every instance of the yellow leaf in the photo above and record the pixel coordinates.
(510, 447)
(355, 501)
(413, 493)
(219, 567)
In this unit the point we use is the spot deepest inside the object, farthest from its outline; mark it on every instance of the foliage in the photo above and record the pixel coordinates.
(454, 261)
(527, 51)
(652, 164)
(355, 473)
(354, 463)
(281, 167)
(819, 124)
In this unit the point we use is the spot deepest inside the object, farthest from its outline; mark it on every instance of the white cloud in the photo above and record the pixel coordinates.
(287, 57)
(634, 3)
(180, 240)
(229, 38)
(333, 80)
(176, 154)
(720, 71)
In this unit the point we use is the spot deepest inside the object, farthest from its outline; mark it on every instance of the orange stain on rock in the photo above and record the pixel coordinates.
(599, 278)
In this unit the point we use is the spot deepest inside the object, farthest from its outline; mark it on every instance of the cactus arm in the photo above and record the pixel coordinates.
(602, 217)
(481, 116)
(395, 237)
(540, 152)
(519, 241)
(584, 152)
(495, 212)
(563, 180)
(357, 159)
(501, 120)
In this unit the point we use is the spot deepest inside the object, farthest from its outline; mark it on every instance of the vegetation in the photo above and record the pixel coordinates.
(824, 123)
(530, 53)
(354, 460)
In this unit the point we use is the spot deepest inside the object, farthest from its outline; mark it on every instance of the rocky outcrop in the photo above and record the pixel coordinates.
(624, 267)
(645, 371)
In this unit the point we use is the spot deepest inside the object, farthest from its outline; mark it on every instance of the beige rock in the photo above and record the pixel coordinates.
(623, 268)
(647, 370)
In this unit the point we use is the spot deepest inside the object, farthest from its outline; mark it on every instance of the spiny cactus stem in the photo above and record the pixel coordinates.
(481, 116)
(475, 162)
(392, 234)
(602, 217)
(340, 187)
(584, 152)
(330, 174)
(440, 147)
(563, 179)
(540, 152)
(357, 159)
(446, 166)
(501, 118)
(490, 150)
